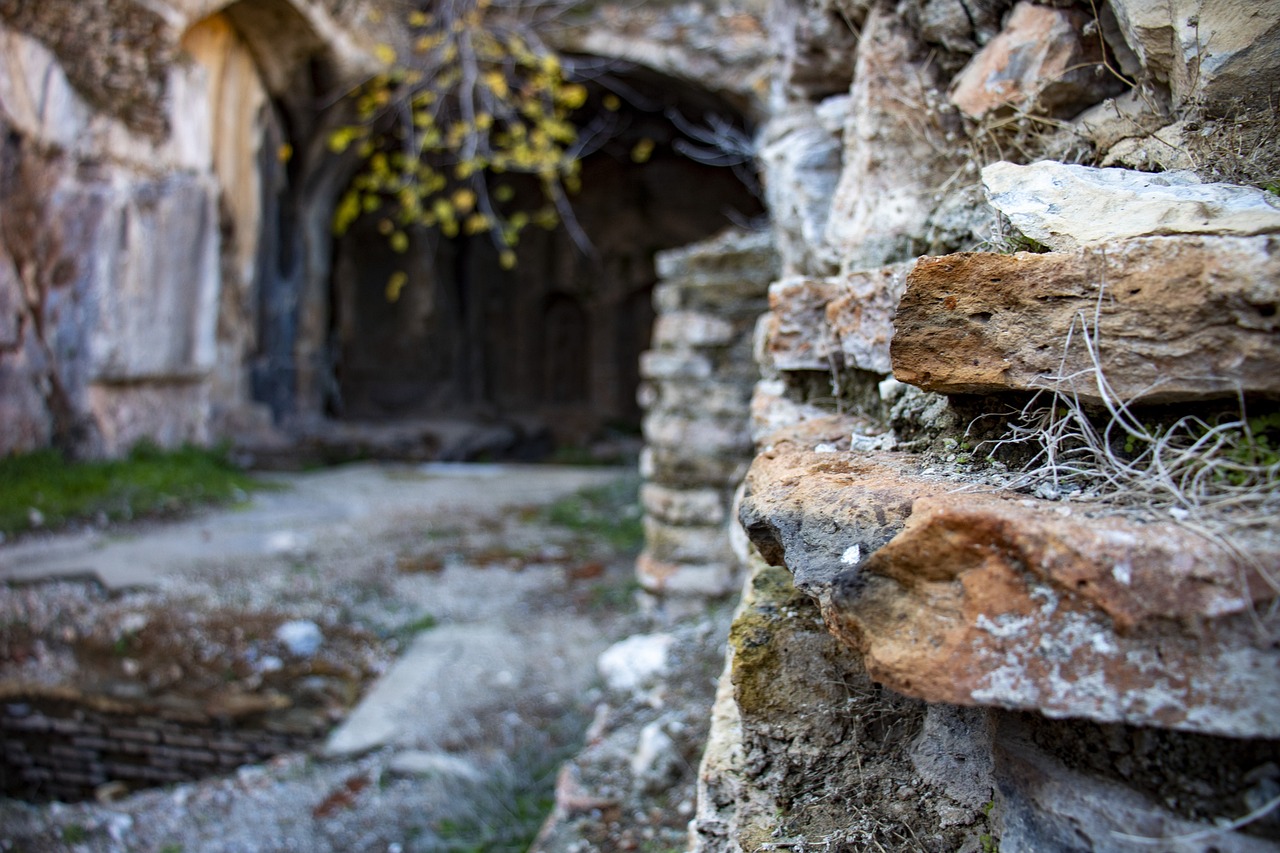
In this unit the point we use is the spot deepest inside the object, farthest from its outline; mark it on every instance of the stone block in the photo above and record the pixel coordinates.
(656, 364)
(835, 322)
(699, 436)
(677, 466)
(1172, 318)
(732, 254)
(1067, 206)
(802, 159)
(155, 276)
(684, 506)
(896, 152)
(692, 329)
(680, 544)
(797, 336)
(983, 599)
(1209, 53)
(1041, 62)
(861, 317)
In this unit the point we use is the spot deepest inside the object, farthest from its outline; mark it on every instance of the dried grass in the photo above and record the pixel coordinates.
(1219, 476)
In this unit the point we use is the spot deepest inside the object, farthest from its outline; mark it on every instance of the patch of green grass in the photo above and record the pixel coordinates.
(74, 833)
(43, 490)
(610, 512)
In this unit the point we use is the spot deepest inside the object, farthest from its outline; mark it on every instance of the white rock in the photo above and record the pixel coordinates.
(1067, 207)
(653, 762)
(301, 637)
(418, 762)
(636, 662)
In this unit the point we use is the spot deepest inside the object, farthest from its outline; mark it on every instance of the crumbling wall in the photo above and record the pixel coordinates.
(1055, 662)
(133, 236)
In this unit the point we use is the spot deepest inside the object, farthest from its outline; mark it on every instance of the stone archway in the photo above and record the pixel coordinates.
(554, 342)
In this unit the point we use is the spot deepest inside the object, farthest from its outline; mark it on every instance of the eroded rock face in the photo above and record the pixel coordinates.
(1041, 61)
(843, 321)
(1210, 52)
(895, 148)
(983, 599)
(1171, 318)
(1066, 206)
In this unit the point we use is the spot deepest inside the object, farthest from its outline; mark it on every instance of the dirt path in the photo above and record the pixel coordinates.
(483, 617)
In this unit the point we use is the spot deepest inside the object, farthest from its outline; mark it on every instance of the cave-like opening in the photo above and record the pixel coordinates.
(554, 343)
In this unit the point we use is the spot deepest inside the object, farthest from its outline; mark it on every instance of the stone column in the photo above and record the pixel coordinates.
(696, 391)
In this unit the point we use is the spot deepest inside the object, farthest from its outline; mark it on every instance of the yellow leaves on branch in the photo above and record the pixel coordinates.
(474, 95)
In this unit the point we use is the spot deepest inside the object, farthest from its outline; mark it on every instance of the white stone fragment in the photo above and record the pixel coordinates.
(1067, 207)
(632, 664)
(301, 637)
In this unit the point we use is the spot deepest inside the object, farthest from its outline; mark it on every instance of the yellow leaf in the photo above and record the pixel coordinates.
(507, 259)
(340, 139)
(497, 83)
(347, 212)
(385, 53)
(284, 153)
(573, 96)
(395, 284)
(504, 192)
(611, 102)
(642, 151)
(464, 200)
(419, 19)
(399, 242)
(477, 223)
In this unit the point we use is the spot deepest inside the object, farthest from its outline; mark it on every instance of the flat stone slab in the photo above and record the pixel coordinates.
(1167, 318)
(975, 598)
(1066, 206)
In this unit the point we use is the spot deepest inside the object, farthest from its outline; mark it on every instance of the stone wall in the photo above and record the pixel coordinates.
(945, 642)
(696, 394)
(132, 243)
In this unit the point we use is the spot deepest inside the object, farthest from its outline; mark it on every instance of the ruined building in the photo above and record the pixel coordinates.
(1005, 358)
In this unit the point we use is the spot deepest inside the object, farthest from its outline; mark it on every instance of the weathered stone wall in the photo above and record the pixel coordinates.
(1051, 666)
(132, 245)
(696, 395)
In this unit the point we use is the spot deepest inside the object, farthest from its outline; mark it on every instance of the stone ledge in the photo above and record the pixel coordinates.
(1002, 600)
(1173, 318)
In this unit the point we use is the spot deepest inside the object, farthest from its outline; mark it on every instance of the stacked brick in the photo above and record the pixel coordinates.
(696, 394)
(60, 747)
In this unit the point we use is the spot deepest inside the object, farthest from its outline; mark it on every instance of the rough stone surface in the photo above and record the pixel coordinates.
(1045, 803)
(1066, 206)
(825, 513)
(896, 151)
(1207, 52)
(1171, 318)
(832, 323)
(802, 159)
(813, 748)
(981, 599)
(1042, 61)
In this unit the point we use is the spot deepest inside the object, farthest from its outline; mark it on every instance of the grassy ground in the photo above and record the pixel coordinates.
(42, 490)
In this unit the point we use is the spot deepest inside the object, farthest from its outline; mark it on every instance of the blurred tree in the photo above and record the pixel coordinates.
(477, 97)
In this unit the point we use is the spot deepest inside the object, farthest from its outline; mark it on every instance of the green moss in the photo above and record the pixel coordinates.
(754, 636)
(43, 490)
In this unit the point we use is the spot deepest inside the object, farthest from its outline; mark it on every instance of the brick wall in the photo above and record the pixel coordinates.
(59, 747)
